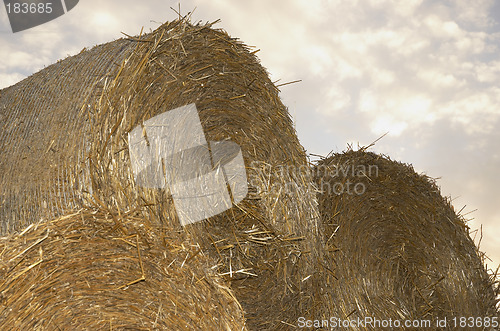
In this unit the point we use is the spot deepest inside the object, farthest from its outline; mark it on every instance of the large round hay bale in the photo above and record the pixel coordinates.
(94, 270)
(401, 252)
(64, 140)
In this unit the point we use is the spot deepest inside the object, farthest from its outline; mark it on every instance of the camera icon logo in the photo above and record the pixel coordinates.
(170, 151)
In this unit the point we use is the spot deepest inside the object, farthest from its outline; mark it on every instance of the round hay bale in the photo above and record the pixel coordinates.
(401, 252)
(64, 137)
(92, 270)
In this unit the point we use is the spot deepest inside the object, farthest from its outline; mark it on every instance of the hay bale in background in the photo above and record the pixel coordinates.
(92, 270)
(401, 251)
(266, 244)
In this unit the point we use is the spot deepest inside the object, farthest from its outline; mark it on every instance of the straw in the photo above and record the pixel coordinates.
(400, 250)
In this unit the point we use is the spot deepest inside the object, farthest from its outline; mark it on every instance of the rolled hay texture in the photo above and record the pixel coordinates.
(93, 270)
(401, 252)
(64, 144)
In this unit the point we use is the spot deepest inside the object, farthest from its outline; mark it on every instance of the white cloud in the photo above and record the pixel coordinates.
(437, 79)
(476, 111)
(395, 113)
(339, 99)
(103, 21)
(472, 43)
(414, 106)
(432, 55)
(387, 124)
(319, 59)
(368, 101)
(10, 79)
(400, 8)
(382, 77)
(488, 72)
(344, 68)
(474, 12)
(443, 29)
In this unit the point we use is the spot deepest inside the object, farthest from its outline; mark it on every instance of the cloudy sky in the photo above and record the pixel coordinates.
(426, 72)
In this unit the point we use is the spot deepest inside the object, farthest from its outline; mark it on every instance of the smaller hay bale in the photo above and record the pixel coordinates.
(401, 251)
(94, 270)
